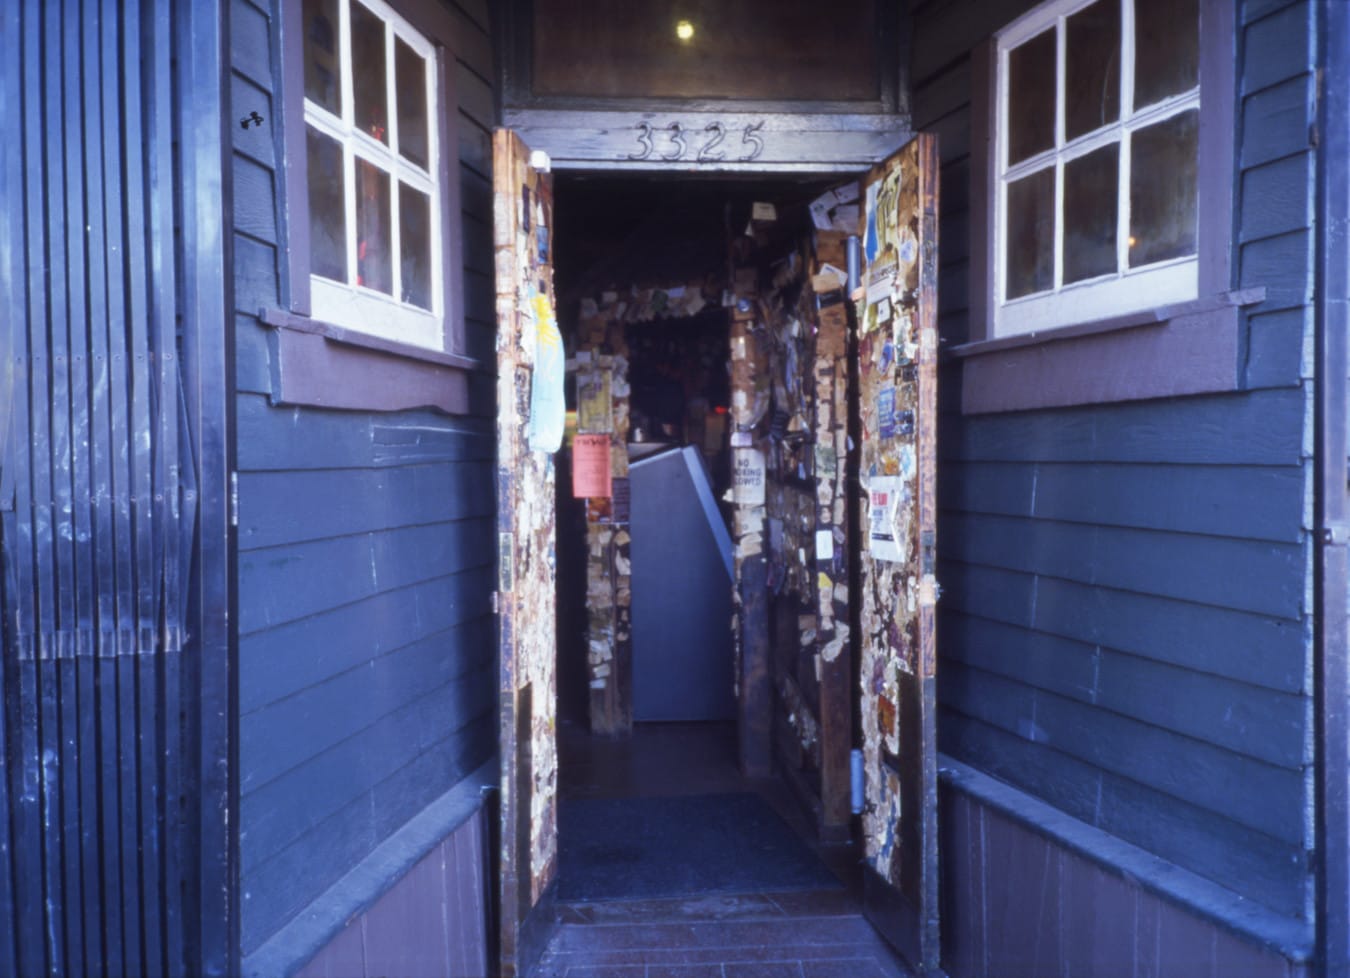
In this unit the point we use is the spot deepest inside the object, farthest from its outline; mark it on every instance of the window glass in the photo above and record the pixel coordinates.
(1091, 189)
(1166, 49)
(369, 99)
(374, 267)
(410, 81)
(1031, 234)
(1163, 190)
(1092, 68)
(414, 232)
(323, 72)
(327, 209)
(1031, 98)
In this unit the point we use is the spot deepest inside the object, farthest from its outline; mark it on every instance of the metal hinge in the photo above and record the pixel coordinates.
(234, 499)
(1336, 534)
(495, 603)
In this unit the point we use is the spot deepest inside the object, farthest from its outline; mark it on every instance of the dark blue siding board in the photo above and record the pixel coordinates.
(258, 141)
(953, 132)
(281, 736)
(1037, 659)
(1257, 650)
(941, 94)
(1228, 501)
(477, 11)
(954, 278)
(1277, 197)
(1279, 348)
(955, 27)
(1278, 47)
(299, 438)
(407, 444)
(1283, 266)
(475, 190)
(255, 275)
(1254, 10)
(254, 212)
(281, 661)
(473, 47)
(475, 150)
(251, 42)
(1242, 502)
(1264, 724)
(1248, 862)
(290, 507)
(281, 811)
(1240, 574)
(409, 788)
(289, 583)
(1006, 596)
(1261, 796)
(479, 341)
(477, 245)
(1266, 871)
(285, 883)
(479, 298)
(423, 553)
(252, 356)
(1277, 122)
(1189, 430)
(476, 99)
(957, 174)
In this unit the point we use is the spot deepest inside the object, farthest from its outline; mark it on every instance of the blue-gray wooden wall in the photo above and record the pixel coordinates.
(366, 638)
(1125, 628)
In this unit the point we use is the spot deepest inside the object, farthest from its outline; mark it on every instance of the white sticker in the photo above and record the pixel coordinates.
(748, 476)
(883, 500)
(824, 545)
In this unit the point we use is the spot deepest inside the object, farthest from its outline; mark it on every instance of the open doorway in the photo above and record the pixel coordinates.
(830, 380)
(687, 311)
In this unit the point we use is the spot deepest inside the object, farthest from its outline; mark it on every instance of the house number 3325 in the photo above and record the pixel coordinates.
(706, 145)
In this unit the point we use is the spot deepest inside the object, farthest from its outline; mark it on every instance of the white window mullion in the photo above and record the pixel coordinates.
(348, 114)
(1126, 60)
(395, 241)
(1126, 113)
(431, 79)
(1061, 62)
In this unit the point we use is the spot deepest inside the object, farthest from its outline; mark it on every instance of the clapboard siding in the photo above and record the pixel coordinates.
(1125, 626)
(323, 855)
(1249, 862)
(1213, 500)
(279, 508)
(365, 570)
(1217, 571)
(378, 740)
(1241, 717)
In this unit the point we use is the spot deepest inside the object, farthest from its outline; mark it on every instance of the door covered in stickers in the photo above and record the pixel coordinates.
(897, 408)
(530, 422)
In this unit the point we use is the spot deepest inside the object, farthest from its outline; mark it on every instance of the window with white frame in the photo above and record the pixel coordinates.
(372, 167)
(1096, 143)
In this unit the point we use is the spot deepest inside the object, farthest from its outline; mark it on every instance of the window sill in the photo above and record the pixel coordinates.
(1187, 348)
(319, 364)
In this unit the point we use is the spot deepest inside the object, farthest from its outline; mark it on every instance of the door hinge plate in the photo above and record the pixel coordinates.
(1336, 534)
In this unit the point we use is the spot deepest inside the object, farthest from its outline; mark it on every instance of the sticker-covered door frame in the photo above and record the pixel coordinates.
(526, 593)
(897, 368)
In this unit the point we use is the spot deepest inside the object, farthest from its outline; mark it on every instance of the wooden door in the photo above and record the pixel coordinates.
(526, 597)
(897, 354)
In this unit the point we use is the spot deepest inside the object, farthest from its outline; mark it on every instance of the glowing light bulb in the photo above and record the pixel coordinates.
(684, 30)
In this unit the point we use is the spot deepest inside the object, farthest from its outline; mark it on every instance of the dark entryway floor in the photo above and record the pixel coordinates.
(802, 933)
